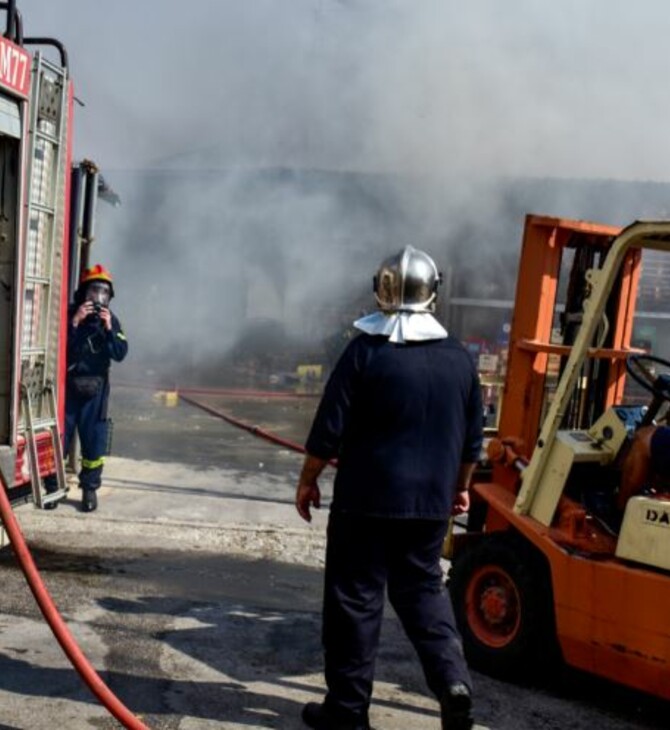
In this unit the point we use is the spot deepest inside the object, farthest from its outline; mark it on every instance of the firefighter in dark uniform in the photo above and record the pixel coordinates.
(95, 338)
(402, 414)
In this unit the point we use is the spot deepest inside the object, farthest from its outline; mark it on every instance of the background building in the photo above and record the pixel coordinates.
(226, 272)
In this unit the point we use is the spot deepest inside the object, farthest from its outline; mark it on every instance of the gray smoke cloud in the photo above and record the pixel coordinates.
(269, 153)
(570, 89)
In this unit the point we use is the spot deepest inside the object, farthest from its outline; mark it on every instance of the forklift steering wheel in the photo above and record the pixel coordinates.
(639, 368)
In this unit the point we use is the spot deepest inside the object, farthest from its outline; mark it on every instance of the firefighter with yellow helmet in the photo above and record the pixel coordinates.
(95, 338)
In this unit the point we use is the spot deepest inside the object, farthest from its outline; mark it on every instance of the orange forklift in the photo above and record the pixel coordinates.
(540, 569)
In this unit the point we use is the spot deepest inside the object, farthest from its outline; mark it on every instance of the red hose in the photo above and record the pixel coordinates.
(44, 600)
(55, 621)
(248, 393)
(236, 392)
(255, 430)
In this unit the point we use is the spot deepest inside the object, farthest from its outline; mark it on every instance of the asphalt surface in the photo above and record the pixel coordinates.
(195, 592)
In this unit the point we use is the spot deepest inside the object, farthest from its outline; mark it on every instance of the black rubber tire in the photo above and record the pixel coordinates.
(501, 592)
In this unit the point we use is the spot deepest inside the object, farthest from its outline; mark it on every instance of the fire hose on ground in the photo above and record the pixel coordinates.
(46, 604)
(255, 430)
(55, 621)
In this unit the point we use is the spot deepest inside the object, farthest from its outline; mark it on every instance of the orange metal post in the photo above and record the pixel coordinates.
(543, 243)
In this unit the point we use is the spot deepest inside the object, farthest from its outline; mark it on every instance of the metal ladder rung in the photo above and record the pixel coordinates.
(43, 425)
(31, 351)
(54, 496)
(51, 66)
(41, 208)
(37, 280)
(47, 137)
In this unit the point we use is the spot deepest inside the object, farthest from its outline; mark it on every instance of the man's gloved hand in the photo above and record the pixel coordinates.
(84, 310)
(106, 318)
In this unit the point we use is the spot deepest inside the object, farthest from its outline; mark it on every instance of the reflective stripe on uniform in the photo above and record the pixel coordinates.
(121, 336)
(93, 464)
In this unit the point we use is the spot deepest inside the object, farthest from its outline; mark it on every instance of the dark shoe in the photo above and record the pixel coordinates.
(50, 486)
(317, 716)
(89, 500)
(455, 707)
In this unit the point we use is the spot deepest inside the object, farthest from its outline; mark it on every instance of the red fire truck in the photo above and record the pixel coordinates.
(46, 224)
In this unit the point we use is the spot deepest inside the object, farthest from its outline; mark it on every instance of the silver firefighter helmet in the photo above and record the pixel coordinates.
(407, 282)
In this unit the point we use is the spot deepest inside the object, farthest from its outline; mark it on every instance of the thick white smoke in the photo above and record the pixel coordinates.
(269, 153)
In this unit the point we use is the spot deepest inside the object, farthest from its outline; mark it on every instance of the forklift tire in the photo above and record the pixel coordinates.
(501, 593)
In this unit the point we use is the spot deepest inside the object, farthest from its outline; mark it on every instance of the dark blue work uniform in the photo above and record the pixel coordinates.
(401, 419)
(90, 350)
(660, 450)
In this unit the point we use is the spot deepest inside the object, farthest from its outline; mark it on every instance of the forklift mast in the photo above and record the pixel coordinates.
(552, 284)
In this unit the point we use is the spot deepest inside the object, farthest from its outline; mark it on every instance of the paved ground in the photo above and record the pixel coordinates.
(195, 591)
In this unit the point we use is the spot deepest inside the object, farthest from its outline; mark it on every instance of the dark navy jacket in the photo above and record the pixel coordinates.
(401, 419)
(91, 348)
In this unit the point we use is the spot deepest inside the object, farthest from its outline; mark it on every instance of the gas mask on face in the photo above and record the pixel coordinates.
(99, 292)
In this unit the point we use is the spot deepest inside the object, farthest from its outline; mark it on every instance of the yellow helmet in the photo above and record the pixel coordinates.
(97, 273)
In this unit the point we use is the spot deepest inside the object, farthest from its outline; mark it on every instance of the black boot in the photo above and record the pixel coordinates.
(455, 707)
(319, 717)
(89, 500)
(51, 486)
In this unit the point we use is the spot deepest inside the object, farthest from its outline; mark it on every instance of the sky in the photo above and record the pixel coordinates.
(529, 87)
(438, 94)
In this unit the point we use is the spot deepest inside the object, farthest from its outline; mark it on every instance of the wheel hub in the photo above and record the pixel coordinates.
(494, 605)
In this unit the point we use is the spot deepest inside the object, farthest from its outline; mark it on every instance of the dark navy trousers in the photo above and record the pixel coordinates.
(364, 557)
(89, 417)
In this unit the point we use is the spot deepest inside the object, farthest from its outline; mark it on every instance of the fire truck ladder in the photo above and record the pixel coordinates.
(32, 429)
(43, 272)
